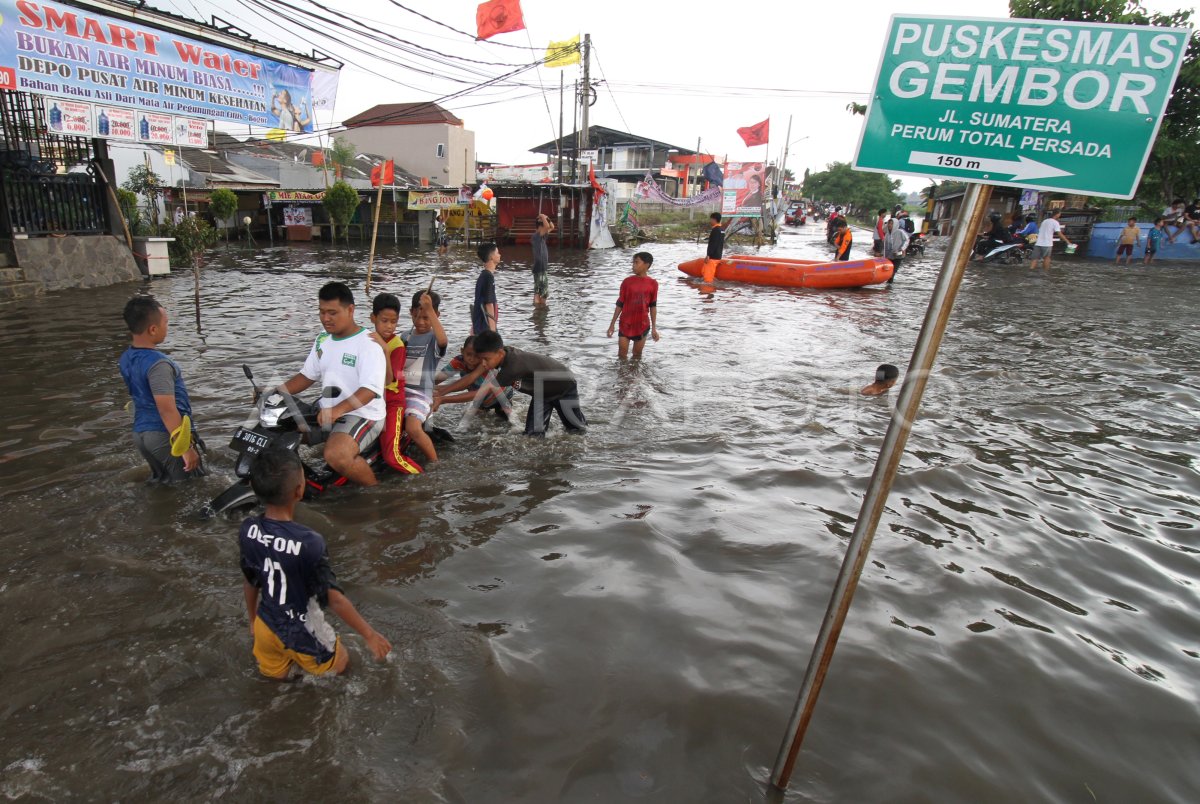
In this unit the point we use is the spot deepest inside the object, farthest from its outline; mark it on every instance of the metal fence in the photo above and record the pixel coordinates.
(36, 204)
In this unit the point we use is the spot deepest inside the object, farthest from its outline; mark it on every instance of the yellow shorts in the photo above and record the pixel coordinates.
(274, 659)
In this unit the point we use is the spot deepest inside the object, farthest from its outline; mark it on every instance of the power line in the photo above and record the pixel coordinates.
(456, 30)
(608, 86)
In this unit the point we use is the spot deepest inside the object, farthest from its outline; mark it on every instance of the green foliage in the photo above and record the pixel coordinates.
(128, 201)
(340, 202)
(842, 184)
(1174, 165)
(341, 154)
(192, 236)
(221, 205)
(145, 182)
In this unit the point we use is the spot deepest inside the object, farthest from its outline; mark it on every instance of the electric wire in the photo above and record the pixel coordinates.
(608, 86)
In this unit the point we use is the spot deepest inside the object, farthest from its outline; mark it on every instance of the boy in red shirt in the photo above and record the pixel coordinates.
(637, 307)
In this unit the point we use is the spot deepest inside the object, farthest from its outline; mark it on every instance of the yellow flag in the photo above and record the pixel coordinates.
(276, 135)
(561, 54)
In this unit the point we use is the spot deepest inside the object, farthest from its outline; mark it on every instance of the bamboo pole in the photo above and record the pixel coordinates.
(886, 466)
(375, 230)
(112, 194)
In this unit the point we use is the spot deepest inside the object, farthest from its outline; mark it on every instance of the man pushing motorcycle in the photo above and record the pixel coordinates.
(344, 357)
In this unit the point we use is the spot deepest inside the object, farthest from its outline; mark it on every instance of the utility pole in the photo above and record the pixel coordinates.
(586, 97)
(561, 88)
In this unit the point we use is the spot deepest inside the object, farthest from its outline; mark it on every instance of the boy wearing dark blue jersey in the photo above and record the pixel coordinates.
(288, 580)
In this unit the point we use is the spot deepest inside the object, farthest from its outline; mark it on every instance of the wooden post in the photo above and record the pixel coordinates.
(374, 231)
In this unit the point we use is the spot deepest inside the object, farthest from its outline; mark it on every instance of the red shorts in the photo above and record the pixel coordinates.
(1124, 248)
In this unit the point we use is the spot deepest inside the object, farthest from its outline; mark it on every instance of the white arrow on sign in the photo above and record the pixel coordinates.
(1023, 168)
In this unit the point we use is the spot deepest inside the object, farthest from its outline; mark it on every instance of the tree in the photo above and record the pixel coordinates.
(857, 108)
(844, 185)
(222, 204)
(342, 154)
(192, 236)
(1174, 165)
(340, 202)
(145, 182)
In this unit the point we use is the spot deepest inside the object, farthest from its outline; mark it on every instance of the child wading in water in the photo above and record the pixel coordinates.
(1154, 239)
(1131, 235)
(425, 346)
(385, 315)
(637, 307)
(288, 580)
(162, 426)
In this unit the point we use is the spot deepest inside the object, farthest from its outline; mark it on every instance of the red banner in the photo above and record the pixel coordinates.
(497, 17)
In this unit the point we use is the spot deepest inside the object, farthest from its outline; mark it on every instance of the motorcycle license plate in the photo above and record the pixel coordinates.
(249, 441)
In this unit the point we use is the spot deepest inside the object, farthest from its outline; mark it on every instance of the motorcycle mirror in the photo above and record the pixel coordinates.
(249, 374)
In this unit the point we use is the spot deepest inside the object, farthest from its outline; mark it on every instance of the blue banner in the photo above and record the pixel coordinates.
(50, 49)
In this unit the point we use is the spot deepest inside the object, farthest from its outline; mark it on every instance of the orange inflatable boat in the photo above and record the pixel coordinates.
(781, 272)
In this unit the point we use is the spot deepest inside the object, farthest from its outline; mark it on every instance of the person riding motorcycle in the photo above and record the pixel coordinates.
(997, 236)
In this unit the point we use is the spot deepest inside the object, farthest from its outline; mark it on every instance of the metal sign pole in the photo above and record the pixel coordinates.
(890, 452)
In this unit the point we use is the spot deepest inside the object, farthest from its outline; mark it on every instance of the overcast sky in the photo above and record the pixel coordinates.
(672, 71)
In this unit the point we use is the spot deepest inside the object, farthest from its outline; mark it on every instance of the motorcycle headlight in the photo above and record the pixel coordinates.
(270, 416)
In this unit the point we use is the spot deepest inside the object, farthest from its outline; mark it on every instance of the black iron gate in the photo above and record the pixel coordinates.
(37, 195)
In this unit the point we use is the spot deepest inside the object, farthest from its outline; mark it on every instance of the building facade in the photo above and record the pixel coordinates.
(428, 140)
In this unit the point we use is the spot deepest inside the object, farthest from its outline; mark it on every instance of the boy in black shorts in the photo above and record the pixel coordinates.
(549, 383)
(288, 581)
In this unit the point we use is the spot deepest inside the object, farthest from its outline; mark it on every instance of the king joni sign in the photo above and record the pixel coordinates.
(49, 49)
(1050, 104)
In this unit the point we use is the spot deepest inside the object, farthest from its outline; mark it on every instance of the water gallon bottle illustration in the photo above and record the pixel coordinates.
(102, 124)
(144, 128)
(56, 118)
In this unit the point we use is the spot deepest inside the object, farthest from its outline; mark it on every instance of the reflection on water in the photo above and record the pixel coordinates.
(627, 615)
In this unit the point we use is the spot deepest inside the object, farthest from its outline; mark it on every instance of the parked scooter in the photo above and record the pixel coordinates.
(283, 420)
(989, 250)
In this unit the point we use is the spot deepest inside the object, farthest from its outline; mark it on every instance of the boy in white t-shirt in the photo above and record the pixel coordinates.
(345, 357)
(1045, 239)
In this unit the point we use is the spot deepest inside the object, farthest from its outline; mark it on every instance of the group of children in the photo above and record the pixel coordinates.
(1131, 236)
(288, 580)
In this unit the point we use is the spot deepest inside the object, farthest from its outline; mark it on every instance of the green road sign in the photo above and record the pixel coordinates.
(1045, 104)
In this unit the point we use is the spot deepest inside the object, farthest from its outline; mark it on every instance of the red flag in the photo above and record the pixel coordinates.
(597, 186)
(497, 17)
(757, 134)
(383, 174)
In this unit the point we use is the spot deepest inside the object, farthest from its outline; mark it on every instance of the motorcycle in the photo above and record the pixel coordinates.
(916, 245)
(283, 420)
(989, 250)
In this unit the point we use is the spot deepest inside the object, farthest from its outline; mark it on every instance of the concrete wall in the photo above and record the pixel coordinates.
(82, 261)
(1103, 244)
(414, 148)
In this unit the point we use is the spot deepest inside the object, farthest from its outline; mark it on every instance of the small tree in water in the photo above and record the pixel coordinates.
(145, 182)
(222, 204)
(192, 236)
(340, 202)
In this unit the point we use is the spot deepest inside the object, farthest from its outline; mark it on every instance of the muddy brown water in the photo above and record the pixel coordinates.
(627, 615)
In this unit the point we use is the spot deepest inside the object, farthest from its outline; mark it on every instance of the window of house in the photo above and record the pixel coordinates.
(441, 150)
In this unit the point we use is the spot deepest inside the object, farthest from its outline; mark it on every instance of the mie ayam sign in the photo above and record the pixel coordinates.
(67, 52)
(1049, 104)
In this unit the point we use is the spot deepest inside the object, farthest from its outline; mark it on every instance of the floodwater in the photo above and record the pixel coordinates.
(627, 615)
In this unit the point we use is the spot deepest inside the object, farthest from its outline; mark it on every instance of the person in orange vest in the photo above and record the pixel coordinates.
(716, 248)
(842, 241)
